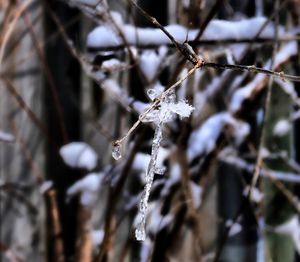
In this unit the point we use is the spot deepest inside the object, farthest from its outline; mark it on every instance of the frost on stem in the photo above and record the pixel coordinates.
(166, 112)
(140, 232)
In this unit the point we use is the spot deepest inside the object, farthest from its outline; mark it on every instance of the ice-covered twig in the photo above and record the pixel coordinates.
(166, 111)
(140, 232)
(118, 143)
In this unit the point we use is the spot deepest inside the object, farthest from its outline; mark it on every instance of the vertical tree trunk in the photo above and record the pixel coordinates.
(62, 93)
(277, 209)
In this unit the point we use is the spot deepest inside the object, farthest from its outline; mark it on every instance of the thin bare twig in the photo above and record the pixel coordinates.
(12, 90)
(253, 68)
(11, 27)
(185, 49)
(267, 104)
(157, 102)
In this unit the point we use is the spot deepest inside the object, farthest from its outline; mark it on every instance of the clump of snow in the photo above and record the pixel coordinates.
(235, 228)
(140, 107)
(104, 36)
(175, 171)
(112, 87)
(264, 152)
(291, 228)
(111, 63)
(237, 51)
(185, 3)
(97, 237)
(150, 62)
(245, 92)
(46, 186)
(114, 90)
(142, 160)
(256, 195)
(88, 188)
(282, 127)
(79, 155)
(196, 194)
(203, 139)
(284, 53)
(246, 28)
(6, 137)
(240, 130)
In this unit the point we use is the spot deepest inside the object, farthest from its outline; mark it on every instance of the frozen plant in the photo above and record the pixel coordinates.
(165, 112)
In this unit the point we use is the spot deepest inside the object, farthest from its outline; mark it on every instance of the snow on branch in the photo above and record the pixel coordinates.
(203, 139)
(244, 165)
(114, 34)
(104, 36)
(88, 188)
(79, 155)
(6, 137)
(259, 81)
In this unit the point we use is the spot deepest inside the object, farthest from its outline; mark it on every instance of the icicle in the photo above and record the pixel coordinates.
(140, 232)
(116, 151)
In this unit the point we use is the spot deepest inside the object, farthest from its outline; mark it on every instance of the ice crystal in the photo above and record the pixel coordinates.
(116, 151)
(167, 109)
